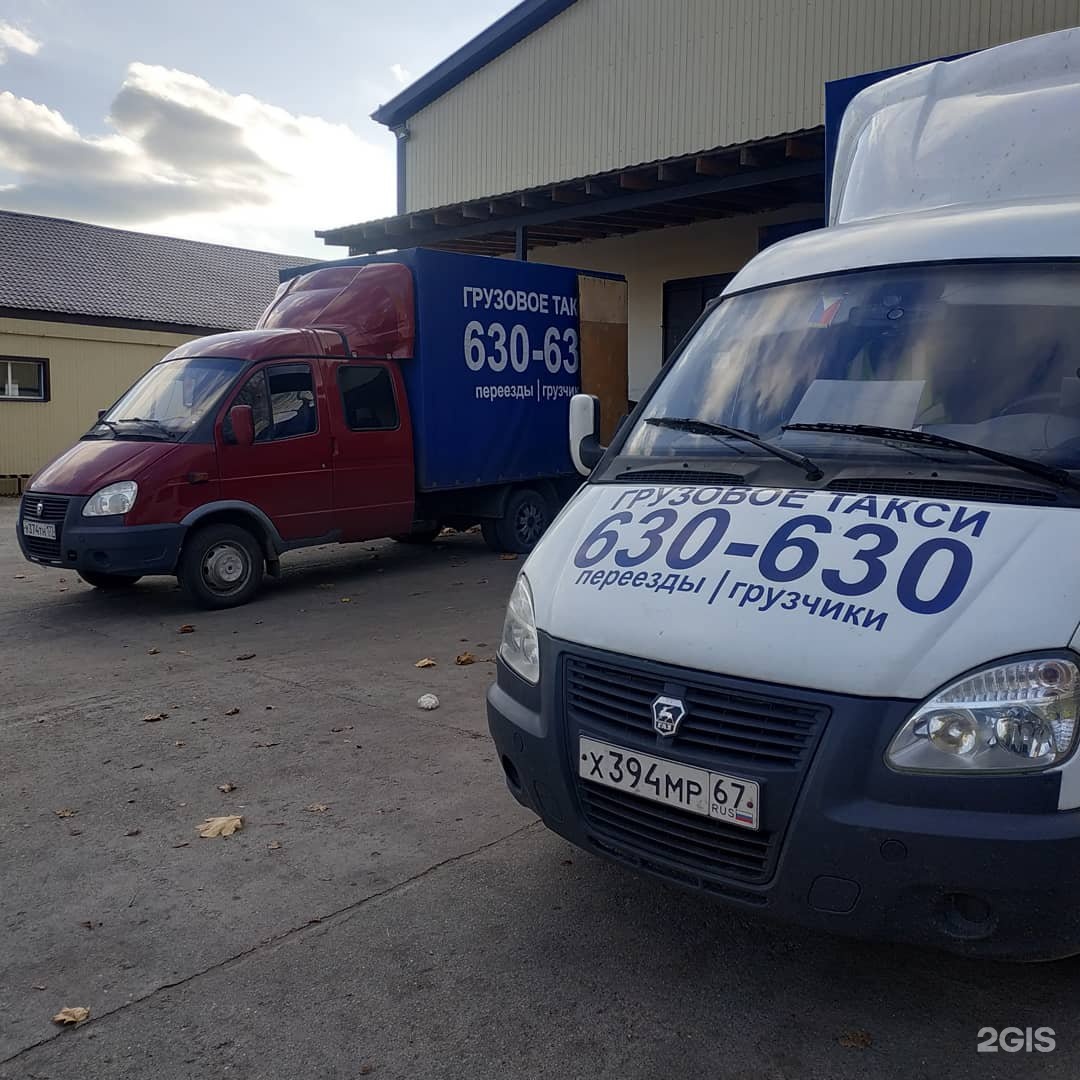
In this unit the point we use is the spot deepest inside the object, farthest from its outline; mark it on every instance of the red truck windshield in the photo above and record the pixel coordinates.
(169, 400)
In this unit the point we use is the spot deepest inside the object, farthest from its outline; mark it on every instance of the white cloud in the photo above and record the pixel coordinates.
(402, 74)
(186, 158)
(16, 40)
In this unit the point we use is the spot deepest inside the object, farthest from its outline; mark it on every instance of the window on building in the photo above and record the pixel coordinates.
(367, 396)
(282, 400)
(24, 378)
(684, 301)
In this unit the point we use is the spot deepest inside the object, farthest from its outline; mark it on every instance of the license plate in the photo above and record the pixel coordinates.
(45, 530)
(711, 794)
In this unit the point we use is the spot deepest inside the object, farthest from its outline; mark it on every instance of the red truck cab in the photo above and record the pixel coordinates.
(239, 447)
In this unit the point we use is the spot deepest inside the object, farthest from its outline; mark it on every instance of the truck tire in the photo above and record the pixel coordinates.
(422, 536)
(109, 582)
(524, 520)
(221, 566)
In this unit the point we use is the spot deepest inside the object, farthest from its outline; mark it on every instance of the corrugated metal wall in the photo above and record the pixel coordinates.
(89, 367)
(610, 83)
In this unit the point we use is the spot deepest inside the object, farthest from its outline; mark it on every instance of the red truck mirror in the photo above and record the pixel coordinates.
(242, 423)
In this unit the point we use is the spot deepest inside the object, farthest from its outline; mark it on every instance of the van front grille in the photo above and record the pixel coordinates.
(731, 727)
(51, 509)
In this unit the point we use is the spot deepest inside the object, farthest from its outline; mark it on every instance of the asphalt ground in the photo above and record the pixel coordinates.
(386, 909)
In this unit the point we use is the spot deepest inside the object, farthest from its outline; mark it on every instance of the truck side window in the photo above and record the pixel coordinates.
(367, 396)
(282, 401)
(292, 401)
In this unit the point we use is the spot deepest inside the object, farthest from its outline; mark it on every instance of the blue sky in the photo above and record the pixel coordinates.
(235, 121)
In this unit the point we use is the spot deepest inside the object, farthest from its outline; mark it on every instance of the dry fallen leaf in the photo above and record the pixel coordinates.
(187, 628)
(220, 826)
(153, 652)
(346, 599)
(179, 743)
(226, 787)
(317, 808)
(426, 662)
(857, 1040)
(232, 712)
(273, 846)
(65, 812)
(265, 745)
(464, 659)
(133, 832)
(153, 718)
(72, 1015)
(508, 556)
(39, 986)
(20, 577)
(246, 656)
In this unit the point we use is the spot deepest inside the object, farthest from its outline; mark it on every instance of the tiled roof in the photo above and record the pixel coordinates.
(71, 268)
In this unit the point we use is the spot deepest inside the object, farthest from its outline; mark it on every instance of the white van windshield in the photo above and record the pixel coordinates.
(169, 400)
(988, 354)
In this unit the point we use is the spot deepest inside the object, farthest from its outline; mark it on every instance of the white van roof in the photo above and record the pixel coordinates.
(975, 158)
(1033, 229)
(1002, 124)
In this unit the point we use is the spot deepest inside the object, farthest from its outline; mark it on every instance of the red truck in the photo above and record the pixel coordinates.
(387, 396)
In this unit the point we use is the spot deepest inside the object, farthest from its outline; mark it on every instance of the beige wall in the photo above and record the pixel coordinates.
(648, 259)
(611, 83)
(89, 367)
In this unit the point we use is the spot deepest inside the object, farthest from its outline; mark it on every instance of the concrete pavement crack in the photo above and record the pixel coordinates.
(275, 940)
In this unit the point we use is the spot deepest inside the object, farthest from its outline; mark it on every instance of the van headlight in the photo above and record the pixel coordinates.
(1019, 715)
(520, 649)
(114, 499)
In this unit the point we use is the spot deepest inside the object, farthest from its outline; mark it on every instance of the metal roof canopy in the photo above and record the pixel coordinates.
(764, 175)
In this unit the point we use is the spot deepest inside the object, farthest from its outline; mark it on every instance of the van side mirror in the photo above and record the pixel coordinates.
(585, 448)
(242, 423)
(101, 413)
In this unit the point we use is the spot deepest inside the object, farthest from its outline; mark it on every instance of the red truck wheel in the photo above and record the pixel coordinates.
(221, 566)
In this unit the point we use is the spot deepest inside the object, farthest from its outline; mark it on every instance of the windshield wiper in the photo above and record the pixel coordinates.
(166, 433)
(725, 431)
(106, 423)
(927, 438)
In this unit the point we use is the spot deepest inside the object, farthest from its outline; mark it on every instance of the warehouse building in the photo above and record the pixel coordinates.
(85, 310)
(665, 140)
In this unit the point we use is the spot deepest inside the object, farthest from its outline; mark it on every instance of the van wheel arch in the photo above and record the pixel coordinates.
(243, 518)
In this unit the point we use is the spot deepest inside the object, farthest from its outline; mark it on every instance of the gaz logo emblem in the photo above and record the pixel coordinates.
(667, 715)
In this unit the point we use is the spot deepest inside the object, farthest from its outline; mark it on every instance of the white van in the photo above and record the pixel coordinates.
(807, 640)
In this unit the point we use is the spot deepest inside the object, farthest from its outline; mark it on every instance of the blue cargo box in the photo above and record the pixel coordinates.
(495, 365)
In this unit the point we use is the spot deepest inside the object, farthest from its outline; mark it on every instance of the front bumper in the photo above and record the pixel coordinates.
(984, 866)
(96, 545)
